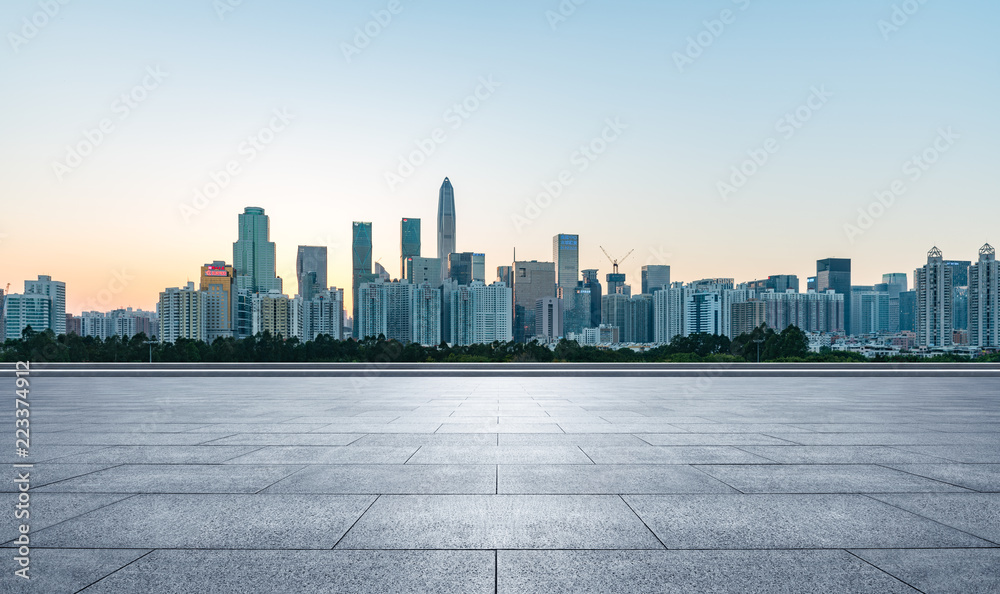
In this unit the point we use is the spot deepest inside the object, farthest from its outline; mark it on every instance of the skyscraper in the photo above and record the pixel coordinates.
(984, 299)
(591, 282)
(654, 278)
(896, 284)
(835, 274)
(254, 253)
(409, 244)
(639, 319)
(532, 281)
(446, 223)
(56, 292)
(908, 311)
(311, 259)
(566, 254)
(614, 309)
(466, 267)
(361, 264)
(218, 285)
(933, 284)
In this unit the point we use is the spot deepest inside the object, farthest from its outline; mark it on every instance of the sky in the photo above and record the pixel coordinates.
(725, 138)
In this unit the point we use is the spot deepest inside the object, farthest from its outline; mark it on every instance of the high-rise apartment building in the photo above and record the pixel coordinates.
(810, 312)
(481, 314)
(34, 310)
(399, 313)
(835, 274)
(426, 316)
(56, 292)
(372, 307)
(409, 244)
(446, 236)
(654, 278)
(702, 313)
(984, 300)
(323, 314)
(746, 316)
(273, 313)
(933, 284)
(310, 270)
(182, 314)
(668, 313)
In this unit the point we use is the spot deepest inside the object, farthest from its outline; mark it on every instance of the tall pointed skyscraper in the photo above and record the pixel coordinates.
(446, 223)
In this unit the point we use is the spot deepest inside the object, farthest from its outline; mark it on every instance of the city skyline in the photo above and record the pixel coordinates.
(252, 213)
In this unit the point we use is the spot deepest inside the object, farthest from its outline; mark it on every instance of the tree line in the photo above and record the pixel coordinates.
(763, 344)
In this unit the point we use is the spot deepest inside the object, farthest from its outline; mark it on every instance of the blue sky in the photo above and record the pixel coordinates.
(655, 187)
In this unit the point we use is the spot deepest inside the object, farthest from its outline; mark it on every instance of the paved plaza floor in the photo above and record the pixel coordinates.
(508, 484)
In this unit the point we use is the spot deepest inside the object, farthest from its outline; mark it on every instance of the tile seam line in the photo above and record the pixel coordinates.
(886, 466)
(886, 572)
(696, 467)
(287, 476)
(150, 552)
(638, 517)
(938, 522)
(35, 489)
(122, 500)
(355, 523)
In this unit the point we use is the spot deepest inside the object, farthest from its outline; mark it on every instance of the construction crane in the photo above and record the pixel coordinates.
(615, 262)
